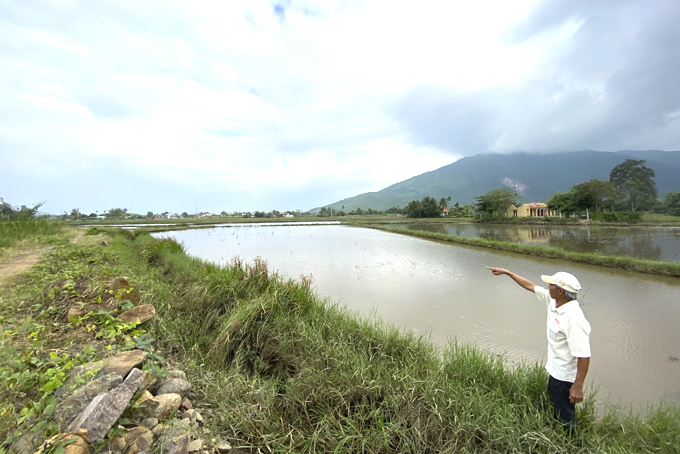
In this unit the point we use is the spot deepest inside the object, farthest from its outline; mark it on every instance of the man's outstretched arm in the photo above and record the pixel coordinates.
(522, 282)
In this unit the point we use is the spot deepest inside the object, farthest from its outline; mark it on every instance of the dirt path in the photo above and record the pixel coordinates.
(22, 262)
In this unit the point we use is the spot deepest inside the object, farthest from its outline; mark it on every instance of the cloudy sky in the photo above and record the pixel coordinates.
(162, 105)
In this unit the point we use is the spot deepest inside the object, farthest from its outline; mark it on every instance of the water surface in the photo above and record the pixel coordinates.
(645, 242)
(444, 291)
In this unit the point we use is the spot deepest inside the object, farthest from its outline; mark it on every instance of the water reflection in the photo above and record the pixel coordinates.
(651, 243)
(443, 291)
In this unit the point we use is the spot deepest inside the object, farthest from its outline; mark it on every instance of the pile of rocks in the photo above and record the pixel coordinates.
(95, 396)
(161, 419)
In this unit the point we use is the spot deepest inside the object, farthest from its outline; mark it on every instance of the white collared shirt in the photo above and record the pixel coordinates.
(568, 336)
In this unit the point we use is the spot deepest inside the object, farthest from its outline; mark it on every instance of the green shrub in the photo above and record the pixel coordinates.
(96, 231)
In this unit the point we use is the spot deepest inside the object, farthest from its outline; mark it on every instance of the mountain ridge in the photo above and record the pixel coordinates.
(536, 177)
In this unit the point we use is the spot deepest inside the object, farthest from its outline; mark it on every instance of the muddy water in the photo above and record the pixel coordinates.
(444, 291)
(645, 242)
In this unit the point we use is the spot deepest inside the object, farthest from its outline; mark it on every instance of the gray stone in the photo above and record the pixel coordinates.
(145, 407)
(223, 447)
(120, 364)
(193, 416)
(138, 439)
(105, 409)
(28, 443)
(128, 293)
(149, 382)
(119, 443)
(174, 385)
(159, 430)
(73, 404)
(184, 423)
(139, 314)
(79, 376)
(195, 445)
(123, 363)
(149, 423)
(178, 445)
(169, 403)
(176, 373)
(159, 407)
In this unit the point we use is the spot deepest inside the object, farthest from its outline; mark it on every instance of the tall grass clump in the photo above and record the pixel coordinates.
(39, 229)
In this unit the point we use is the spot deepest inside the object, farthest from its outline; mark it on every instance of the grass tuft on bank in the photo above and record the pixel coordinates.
(285, 371)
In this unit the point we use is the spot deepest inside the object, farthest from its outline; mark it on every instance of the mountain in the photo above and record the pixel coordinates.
(535, 176)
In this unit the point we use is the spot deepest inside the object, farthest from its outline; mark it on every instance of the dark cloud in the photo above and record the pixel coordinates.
(438, 118)
(611, 85)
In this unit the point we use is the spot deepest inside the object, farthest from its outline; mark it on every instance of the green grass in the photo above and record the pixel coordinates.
(277, 368)
(39, 230)
(660, 219)
(610, 261)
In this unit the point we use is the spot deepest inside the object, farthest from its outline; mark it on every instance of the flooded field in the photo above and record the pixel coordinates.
(645, 242)
(443, 291)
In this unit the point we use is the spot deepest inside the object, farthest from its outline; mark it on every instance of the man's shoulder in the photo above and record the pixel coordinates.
(576, 316)
(541, 291)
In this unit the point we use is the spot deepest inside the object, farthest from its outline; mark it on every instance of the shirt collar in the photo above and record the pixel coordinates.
(563, 308)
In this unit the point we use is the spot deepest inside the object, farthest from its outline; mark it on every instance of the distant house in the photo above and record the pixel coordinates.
(532, 209)
(446, 212)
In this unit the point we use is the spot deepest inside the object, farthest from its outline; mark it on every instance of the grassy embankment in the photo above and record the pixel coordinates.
(610, 261)
(282, 370)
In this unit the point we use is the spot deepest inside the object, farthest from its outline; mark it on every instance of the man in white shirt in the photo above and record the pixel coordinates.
(568, 341)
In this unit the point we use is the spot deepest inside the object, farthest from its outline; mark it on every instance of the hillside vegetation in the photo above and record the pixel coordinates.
(536, 177)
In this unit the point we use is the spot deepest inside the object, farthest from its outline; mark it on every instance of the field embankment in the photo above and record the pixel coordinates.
(283, 371)
(610, 261)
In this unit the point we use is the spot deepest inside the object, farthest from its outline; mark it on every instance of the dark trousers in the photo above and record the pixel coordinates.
(565, 411)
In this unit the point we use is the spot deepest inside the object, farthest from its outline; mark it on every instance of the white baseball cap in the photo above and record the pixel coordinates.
(563, 280)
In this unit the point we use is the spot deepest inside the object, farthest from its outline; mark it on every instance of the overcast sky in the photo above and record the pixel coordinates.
(162, 105)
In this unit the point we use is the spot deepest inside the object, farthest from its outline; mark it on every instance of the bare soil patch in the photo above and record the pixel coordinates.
(21, 262)
(16, 264)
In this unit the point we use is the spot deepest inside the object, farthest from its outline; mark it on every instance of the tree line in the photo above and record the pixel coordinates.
(7, 211)
(630, 187)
